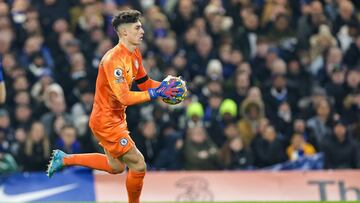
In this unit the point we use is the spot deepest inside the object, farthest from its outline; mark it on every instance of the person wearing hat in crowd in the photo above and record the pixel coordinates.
(226, 114)
(195, 114)
(228, 110)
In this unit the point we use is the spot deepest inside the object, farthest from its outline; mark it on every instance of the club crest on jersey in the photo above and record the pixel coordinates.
(118, 75)
(136, 63)
(123, 142)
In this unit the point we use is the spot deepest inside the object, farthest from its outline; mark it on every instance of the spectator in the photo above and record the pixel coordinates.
(299, 148)
(148, 141)
(285, 57)
(7, 163)
(216, 128)
(321, 121)
(307, 104)
(352, 54)
(56, 118)
(200, 153)
(280, 32)
(212, 110)
(6, 129)
(80, 113)
(242, 85)
(184, 14)
(228, 111)
(284, 120)
(18, 142)
(252, 112)
(195, 114)
(246, 36)
(267, 148)
(336, 87)
(308, 23)
(199, 59)
(35, 152)
(299, 78)
(320, 42)
(170, 156)
(299, 127)
(346, 16)
(234, 155)
(22, 116)
(67, 140)
(340, 151)
(333, 58)
(353, 80)
(2, 84)
(214, 70)
(277, 93)
(352, 107)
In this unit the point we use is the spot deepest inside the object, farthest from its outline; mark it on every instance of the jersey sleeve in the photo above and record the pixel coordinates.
(143, 81)
(115, 75)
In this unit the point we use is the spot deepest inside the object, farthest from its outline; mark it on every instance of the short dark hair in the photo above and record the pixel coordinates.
(125, 16)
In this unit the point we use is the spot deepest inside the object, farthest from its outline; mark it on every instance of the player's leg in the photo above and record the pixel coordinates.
(96, 161)
(116, 165)
(137, 167)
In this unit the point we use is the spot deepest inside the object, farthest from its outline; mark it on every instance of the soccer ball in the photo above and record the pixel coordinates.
(181, 95)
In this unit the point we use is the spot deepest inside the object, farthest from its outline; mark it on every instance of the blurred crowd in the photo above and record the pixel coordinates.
(270, 81)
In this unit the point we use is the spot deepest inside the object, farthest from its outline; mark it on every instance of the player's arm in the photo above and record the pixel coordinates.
(117, 82)
(142, 79)
(146, 82)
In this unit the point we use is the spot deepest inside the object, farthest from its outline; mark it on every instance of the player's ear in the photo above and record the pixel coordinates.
(122, 30)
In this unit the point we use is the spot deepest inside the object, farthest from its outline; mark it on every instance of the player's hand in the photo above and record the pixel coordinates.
(167, 89)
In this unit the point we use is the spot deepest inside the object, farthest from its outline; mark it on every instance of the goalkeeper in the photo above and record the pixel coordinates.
(119, 67)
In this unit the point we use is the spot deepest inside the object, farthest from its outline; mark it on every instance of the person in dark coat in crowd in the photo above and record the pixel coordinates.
(340, 150)
(268, 149)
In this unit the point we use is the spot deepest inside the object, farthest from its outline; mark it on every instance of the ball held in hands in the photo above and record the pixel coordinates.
(181, 90)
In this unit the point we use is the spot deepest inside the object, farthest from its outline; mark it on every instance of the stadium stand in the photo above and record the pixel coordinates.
(270, 81)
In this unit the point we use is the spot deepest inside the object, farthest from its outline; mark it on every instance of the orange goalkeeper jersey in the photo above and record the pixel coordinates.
(117, 70)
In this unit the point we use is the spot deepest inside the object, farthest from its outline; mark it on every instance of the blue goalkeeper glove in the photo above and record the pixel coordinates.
(164, 90)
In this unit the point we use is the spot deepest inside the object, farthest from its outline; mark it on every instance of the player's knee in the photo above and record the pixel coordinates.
(117, 168)
(140, 164)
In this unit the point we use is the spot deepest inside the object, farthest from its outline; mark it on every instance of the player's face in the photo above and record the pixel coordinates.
(135, 33)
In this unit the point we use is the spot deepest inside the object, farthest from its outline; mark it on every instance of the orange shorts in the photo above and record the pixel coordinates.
(122, 144)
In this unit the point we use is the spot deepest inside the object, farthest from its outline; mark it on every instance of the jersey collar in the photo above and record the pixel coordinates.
(124, 49)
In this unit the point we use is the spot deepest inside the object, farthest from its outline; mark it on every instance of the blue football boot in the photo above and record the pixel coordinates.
(56, 162)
